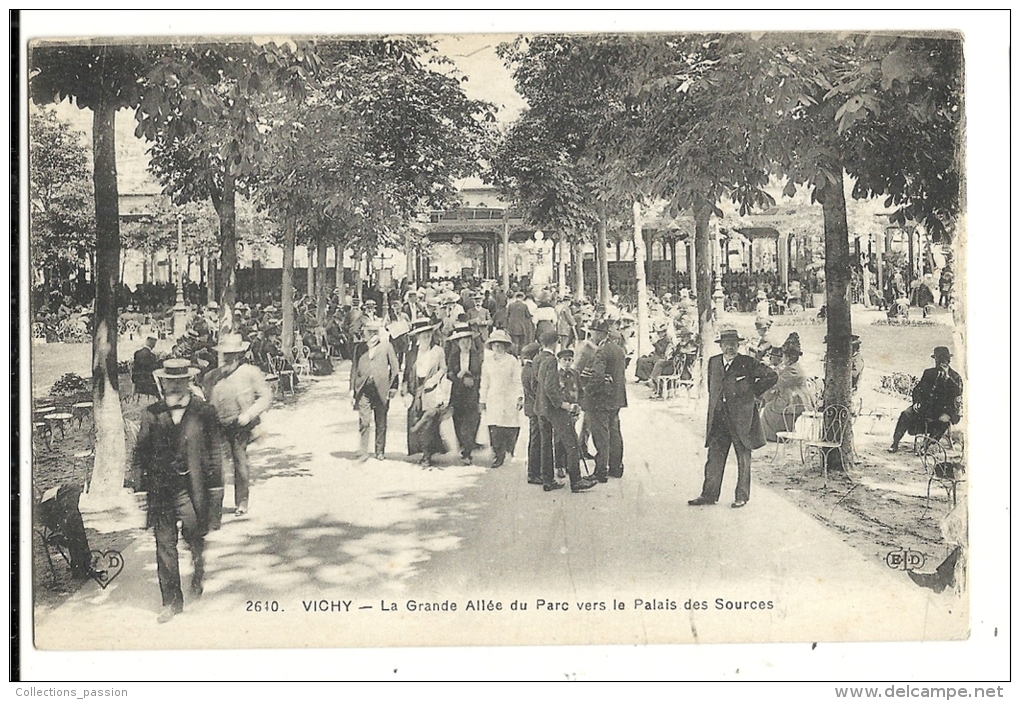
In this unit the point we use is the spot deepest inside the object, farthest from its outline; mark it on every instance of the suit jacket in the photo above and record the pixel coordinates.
(939, 395)
(732, 396)
(604, 381)
(542, 400)
(550, 393)
(164, 450)
(461, 394)
(518, 321)
(529, 383)
(383, 370)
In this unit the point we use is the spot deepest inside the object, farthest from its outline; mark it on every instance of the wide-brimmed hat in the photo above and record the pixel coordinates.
(420, 326)
(729, 334)
(499, 336)
(603, 325)
(231, 343)
(270, 309)
(238, 305)
(175, 369)
(368, 303)
(213, 305)
(791, 346)
(762, 323)
(461, 330)
(942, 353)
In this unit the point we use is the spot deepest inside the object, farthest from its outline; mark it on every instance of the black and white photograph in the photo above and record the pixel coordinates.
(499, 338)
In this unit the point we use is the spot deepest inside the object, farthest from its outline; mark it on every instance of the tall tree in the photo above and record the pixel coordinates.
(103, 78)
(202, 115)
(62, 198)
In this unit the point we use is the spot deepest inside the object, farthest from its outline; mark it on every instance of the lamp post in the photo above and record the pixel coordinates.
(180, 308)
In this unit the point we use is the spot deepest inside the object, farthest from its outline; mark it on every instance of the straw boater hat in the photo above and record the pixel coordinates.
(761, 294)
(175, 369)
(499, 336)
(729, 334)
(422, 325)
(270, 309)
(213, 305)
(461, 331)
(231, 343)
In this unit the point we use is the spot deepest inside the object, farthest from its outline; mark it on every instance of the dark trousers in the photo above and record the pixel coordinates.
(503, 439)
(719, 442)
(167, 566)
(534, 449)
(547, 457)
(237, 440)
(466, 420)
(608, 440)
(372, 405)
(912, 422)
(564, 438)
(585, 434)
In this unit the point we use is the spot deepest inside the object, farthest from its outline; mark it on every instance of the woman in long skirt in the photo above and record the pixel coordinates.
(464, 369)
(429, 390)
(502, 396)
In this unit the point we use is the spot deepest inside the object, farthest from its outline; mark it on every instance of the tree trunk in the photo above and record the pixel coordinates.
(287, 291)
(357, 276)
(409, 273)
(310, 271)
(837, 308)
(110, 450)
(224, 204)
(578, 272)
(561, 269)
(320, 283)
(604, 292)
(701, 281)
(642, 287)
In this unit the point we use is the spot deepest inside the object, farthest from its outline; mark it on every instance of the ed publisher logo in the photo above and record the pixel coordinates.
(906, 560)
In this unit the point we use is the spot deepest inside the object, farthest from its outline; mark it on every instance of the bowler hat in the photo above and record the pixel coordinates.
(729, 334)
(175, 369)
(942, 353)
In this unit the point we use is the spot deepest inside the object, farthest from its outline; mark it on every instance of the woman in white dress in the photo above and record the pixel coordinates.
(430, 390)
(502, 396)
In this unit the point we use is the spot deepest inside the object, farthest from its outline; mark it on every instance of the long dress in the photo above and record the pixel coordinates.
(429, 370)
(502, 393)
(791, 389)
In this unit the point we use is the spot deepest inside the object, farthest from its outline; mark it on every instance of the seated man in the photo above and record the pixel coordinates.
(937, 400)
(660, 351)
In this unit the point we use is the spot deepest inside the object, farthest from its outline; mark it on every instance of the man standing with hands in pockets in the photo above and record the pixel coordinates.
(735, 381)
(374, 379)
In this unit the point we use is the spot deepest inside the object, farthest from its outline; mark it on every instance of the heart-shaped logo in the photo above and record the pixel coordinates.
(105, 566)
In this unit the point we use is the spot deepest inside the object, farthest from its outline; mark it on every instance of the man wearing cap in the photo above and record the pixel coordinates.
(764, 342)
(937, 401)
(375, 376)
(604, 393)
(177, 457)
(735, 381)
(519, 324)
(145, 362)
(240, 393)
(557, 420)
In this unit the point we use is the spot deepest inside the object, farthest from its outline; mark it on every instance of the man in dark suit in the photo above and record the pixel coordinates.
(145, 362)
(177, 456)
(519, 323)
(937, 401)
(529, 383)
(735, 381)
(375, 376)
(557, 425)
(604, 394)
